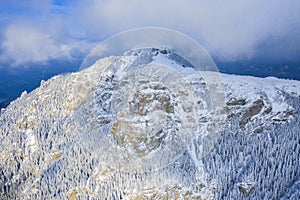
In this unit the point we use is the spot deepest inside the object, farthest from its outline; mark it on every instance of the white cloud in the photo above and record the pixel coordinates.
(24, 43)
(229, 30)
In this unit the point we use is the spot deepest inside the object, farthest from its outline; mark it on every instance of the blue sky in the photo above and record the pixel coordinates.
(37, 31)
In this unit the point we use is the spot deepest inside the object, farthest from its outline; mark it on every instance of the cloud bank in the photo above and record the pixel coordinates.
(230, 30)
(24, 44)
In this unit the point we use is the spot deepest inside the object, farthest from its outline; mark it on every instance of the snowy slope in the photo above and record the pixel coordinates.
(149, 125)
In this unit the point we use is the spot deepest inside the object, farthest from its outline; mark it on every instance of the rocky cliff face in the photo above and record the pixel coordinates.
(147, 125)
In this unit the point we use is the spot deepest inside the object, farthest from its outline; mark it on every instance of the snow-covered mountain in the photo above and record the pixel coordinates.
(148, 125)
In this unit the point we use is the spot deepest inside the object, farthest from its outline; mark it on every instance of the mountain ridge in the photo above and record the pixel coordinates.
(54, 140)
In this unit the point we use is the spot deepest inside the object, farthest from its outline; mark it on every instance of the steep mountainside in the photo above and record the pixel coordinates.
(148, 125)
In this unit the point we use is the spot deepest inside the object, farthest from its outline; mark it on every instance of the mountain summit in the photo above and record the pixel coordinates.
(149, 125)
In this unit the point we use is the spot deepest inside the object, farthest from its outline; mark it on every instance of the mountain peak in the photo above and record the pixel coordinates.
(144, 125)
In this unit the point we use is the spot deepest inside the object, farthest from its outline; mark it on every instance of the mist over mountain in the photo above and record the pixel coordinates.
(148, 125)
